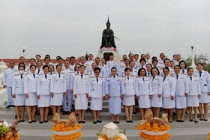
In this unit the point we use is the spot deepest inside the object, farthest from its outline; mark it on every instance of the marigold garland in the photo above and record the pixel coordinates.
(68, 137)
(208, 136)
(12, 138)
(62, 128)
(102, 136)
(154, 128)
(158, 137)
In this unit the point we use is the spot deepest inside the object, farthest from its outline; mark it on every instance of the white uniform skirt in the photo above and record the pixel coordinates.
(115, 105)
(32, 99)
(44, 101)
(96, 104)
(168, 103)
(205, 98)
(19, 100)
(57, 99)
(192, 101)
(180, 102)
(144, 101)
(129, 100)
(156, 101)
(81, 102)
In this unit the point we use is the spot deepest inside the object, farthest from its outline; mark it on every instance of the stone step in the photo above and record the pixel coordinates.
(105, 109)
(90, 126)
(88, 116)
(132, 134)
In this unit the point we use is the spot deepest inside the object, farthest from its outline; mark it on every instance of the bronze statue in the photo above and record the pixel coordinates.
(108, 36)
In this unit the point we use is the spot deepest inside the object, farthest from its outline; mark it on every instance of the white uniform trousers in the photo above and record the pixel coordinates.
(67, 101)
(10, 100)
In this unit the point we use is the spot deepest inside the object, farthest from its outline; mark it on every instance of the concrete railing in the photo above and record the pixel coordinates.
(3, 97)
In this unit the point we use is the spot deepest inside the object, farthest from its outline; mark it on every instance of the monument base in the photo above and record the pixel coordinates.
(105, 52)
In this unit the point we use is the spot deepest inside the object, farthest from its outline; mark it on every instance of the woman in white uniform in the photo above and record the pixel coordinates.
(57, 89)
(183, 67)
(169, 86)
(157, 89)
(130, 92)
(81, 92)
(194, 95)
(97, 94)
(30, 90)
(181, 92)
(18, 93)
(204, 80)
(115, 91)
(144, 91)
(76, 72)
(43, 94)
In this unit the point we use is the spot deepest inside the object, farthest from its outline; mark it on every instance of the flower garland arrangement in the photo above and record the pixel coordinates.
(66, 129)
(8, 131)
(111, 132)
(154, 128)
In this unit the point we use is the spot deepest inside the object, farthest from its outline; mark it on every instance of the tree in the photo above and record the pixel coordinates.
(202, 58)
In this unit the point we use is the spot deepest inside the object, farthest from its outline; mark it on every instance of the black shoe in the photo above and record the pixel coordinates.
(8, 106)
(205, 120)
(29, 121)
(19, 121)
(41, 122)
(178, 120)
(127, 121)
(201, 119)
(12, 105)
(99, 121)
(170, 121)
(117, 122)
(95, 122)
(83, 121)
(196, 121)
(79, 121)
(191, 120)
(33, 120)
(22, 120)
(181, 121)
(131, 121)
(45, 121)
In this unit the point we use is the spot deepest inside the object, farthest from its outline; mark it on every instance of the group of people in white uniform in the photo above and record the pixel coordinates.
(148, 83)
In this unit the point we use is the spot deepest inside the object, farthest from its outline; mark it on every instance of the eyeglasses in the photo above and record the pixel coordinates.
(97, 72)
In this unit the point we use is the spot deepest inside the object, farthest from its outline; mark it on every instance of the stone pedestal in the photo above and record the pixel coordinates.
(105, 52)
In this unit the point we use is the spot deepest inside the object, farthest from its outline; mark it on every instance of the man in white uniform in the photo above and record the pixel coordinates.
(7, 83)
